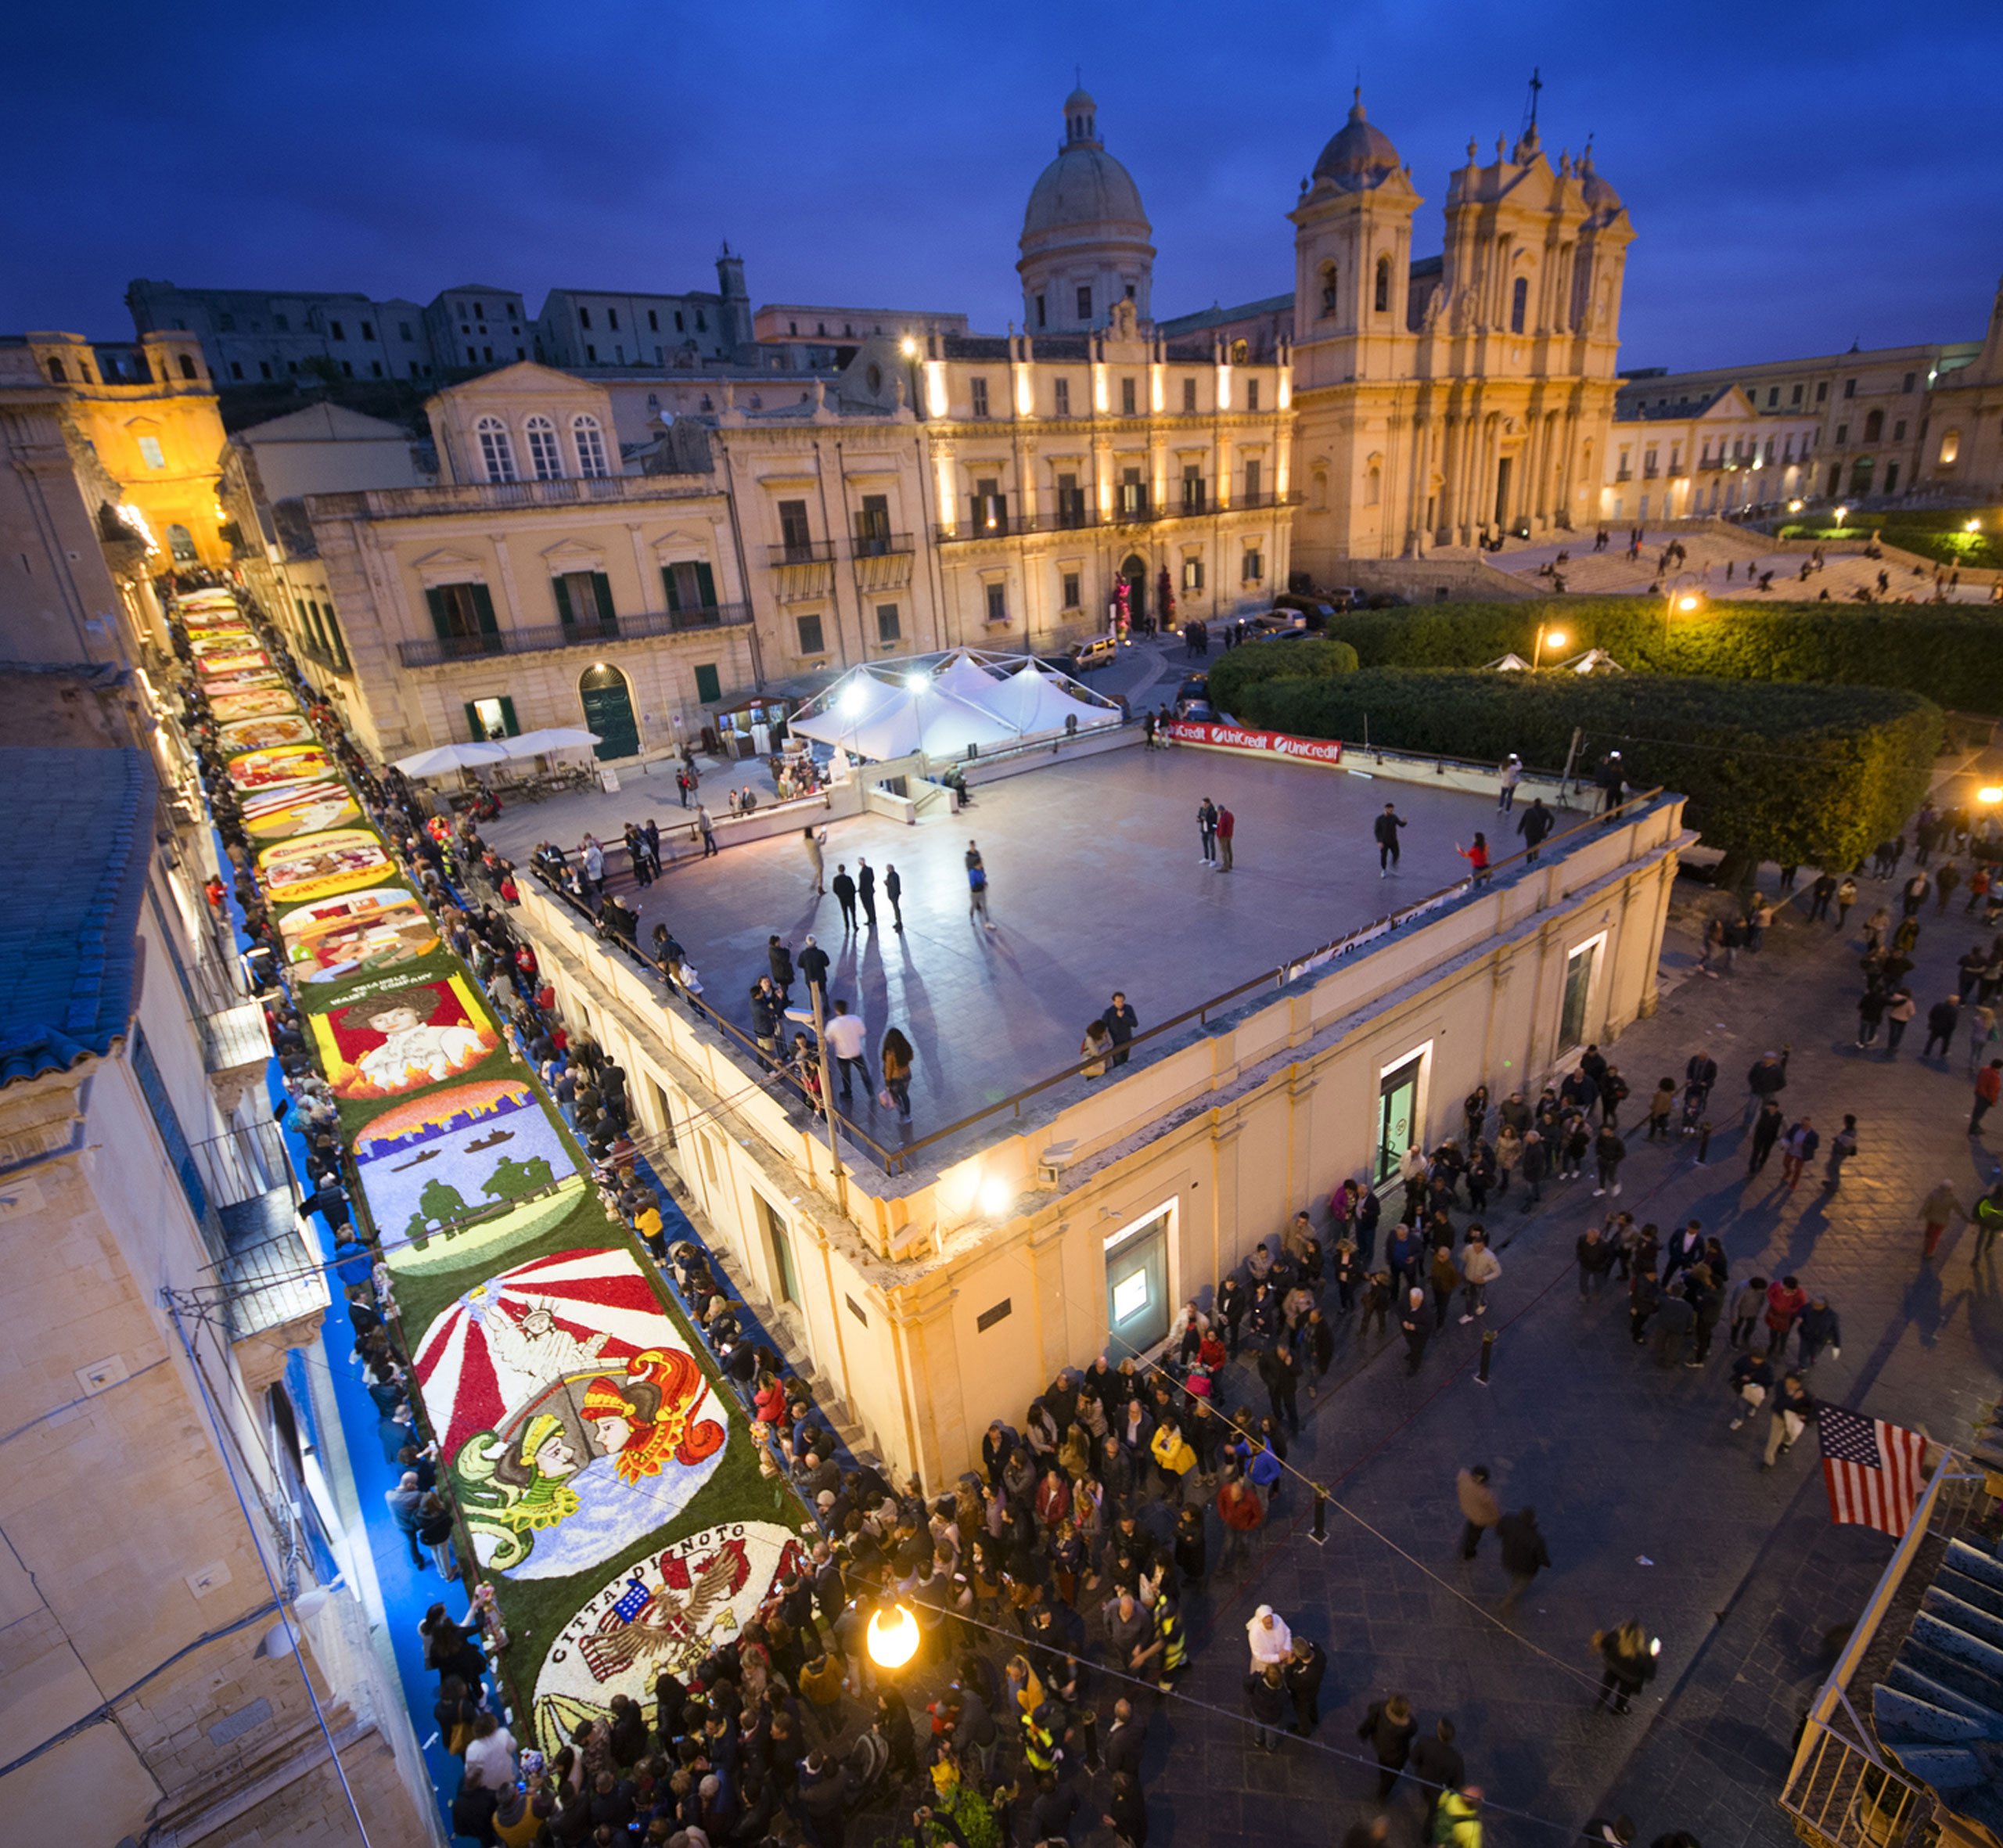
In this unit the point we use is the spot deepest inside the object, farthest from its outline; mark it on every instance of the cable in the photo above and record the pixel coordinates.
(208, 1405)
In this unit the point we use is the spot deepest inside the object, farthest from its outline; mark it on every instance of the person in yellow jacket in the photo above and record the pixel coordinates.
(1457, 1822)
(1174, 1457)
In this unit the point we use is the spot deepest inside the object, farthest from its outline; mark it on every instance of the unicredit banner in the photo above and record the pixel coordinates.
(1320, 750)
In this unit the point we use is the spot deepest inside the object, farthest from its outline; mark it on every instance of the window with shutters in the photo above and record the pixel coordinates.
(496, 452)
(1251, 395)
(1520, 302)
(1251, 484)
(889, 629)
(583, 598)
(1085, 303)
(1070, 502)
(1383, 296)
(588, 434)
(872, 526)
(1192, 574)
(795, 534)
(1071, 591)
(811, 640)
(1193, 488)
(1188, 396)
(1253, 568)
(1133, 494)
(998, 603)
(691, 587)
(1127, 397)
(990, 506)
(979, 387)
(173, 1139)
(1850, 388)
(709, 685)
(462, 612)
(1063, 391)
(543, 461)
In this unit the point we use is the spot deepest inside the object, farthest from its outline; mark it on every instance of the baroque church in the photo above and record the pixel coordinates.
(1436, 400)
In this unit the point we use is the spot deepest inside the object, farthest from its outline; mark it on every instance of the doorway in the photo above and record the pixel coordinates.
(1133, 574)
(608, 703)
(1581, 968)
(1136, 1285)
(1397, 1114)
(180, 542)
(1502, 490)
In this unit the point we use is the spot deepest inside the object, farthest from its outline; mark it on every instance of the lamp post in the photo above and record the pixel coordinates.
(892, 1637)
(1554, 637)
(1679, 596)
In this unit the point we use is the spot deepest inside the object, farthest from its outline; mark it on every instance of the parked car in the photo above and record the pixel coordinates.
(1100, 651)
(1274, 622)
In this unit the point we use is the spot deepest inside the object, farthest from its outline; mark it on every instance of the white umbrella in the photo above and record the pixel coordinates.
(551, 737)
(451, 757)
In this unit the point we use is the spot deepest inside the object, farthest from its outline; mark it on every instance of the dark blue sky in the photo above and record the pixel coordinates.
(1799, 177)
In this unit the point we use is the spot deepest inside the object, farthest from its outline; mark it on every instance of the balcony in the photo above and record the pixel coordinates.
(1001, 525)
(491, 496)
(883, 561)
(1623, 474)
(801, 552)
(434, 651)
(878, 545)
(312, 651)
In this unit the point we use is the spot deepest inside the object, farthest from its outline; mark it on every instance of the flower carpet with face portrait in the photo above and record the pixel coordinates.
(602, 1470)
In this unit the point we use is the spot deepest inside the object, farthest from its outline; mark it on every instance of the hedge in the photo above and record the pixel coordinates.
(1241, 667)
(1812, 775)
(1942, 536)
(1949, 654)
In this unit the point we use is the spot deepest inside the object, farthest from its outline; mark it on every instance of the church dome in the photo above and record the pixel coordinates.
(1359, 157)
(1085, 185)
(1594, 190)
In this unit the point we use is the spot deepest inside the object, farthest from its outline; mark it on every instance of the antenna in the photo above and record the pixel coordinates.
(1536, 85)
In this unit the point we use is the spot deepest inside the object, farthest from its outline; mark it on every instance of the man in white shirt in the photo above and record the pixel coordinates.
(848, 1038)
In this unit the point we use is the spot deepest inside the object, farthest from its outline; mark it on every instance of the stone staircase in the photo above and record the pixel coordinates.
(1938, 1709)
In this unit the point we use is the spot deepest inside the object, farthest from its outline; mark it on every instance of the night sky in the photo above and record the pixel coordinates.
(1799, 177)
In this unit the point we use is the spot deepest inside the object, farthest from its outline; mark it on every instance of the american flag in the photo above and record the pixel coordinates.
(632, 1602)
(1871, 1468)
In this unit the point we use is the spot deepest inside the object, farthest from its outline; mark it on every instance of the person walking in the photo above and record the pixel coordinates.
(1843, 1145)
(815, 841)
(1386, 830)
(1388, 1730)
(848, 1040)
(1480, 1267)
(1535, 825)
(1512, 774)
(1899, 1012)
(1480, 1510)
(1524, 1553)
(895, 1055)
(706, 828)
(977, 887)
(1942, 1018)
(1988, 1222)
(893, 890)
(1936, 1212)
(1846, 897)
(1988, 1087)
(1768, 1078)
(1628, 1658)
(1786, 1300)
(1226, 827)
(1767, 1127)
(1798, 1149)
(844, 890)
(1608, 1151)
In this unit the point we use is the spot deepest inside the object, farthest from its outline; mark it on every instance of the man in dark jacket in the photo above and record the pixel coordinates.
(1595, 1259)
(843, 888)
(1302, 1673)
(1125, 1740)
(1523, 1551)
(780, 958)
(1386, 830)
(1387, 1729)
(1942, 1018)
(1767, 1127)
(814, 967)
(996, 1448)
(1534, 825)
(1793, 1408)
(1766, 1079)
(1437, 1766)
(1122, 1023)
(1819, 1329)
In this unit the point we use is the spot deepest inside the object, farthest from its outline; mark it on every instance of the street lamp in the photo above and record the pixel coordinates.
(1554, 637)
(1842, 513)
(1679, 596)
(894, 1637)
(1992, 795)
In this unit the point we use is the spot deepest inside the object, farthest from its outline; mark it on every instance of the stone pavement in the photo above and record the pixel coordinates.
(1652, 1508)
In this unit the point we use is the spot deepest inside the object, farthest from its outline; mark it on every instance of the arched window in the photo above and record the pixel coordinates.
(1241, 352)
(1520, 302)
(496, 452)
(1373, 484)
(1383, 285)
(1327, 291)
(590, 439)
(1318, 491)
(187, 367)
(1874, 427)
(543, 458)
(1951, 448)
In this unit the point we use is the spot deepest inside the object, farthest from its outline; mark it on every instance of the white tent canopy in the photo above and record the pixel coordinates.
(941, 705)
(466, 755)
(551, 738)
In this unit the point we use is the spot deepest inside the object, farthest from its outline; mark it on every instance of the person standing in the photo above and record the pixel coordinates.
(1480, 1510)
(707, 829)
(1535, 825)
(1438, 1768)
(1798, 1149)
(1768, 1078)
(1513, 774)
(1937, 1211)
(814, 842)
(896, 1054)
(1843, 1145)
(1630, 1665)
(1386, 830)
(865, 889)
(847, 1039)
(1305, 1666)
(1413, 1323)
(1942, 1018)
(893, 890)
(976, 887)
(844, 890)
(1206, 829)
(1122, 1023)
(813, 969)
(1265, 1699)
(1846, 897)
(1793, 1406)
(1227, 826)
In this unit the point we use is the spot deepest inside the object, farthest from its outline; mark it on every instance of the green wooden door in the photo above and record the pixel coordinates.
(609, 711)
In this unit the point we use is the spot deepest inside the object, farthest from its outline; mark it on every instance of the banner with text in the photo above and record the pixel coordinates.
(1320, 750)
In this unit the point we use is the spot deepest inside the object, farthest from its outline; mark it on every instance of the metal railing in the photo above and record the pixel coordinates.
(1840, 1793)
(880, 545)
(1146, 511)
(801, 551)
(431, 651)
(488, 497)
(310, 650)
(234, 1035)
(245, 1161)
